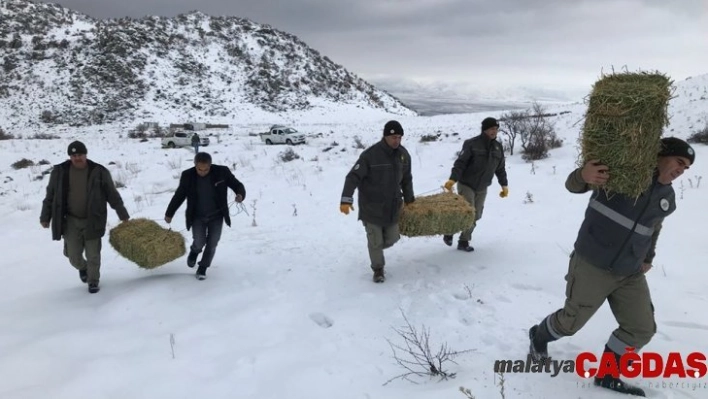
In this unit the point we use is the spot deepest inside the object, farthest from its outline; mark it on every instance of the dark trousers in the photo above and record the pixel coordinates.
(75, 245)
(206, 232)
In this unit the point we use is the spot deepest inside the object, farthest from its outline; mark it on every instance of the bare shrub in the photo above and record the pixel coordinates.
(5, 136)
(700, 136)
(174, 163)
(158, 132)
(534, 129)
(133, 168)
(139, 132)
(536, 134)
(288, 155)
(358, 144)
(47, 116)
(427, 138)
(420, 360)
(511, 127)
(22, 164)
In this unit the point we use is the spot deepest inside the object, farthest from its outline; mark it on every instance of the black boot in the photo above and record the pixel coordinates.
(83, 275)
(448, 240)
(464, 246)
(192, 258)
(379, 276)
(616, 384)
(539, 337)
(201, 273)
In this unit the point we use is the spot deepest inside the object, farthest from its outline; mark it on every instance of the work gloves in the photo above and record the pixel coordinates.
(504, 192)
(448, 185)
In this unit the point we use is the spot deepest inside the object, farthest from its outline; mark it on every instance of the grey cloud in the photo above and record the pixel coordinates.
(556, 42)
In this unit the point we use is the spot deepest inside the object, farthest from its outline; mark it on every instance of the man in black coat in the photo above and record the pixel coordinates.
(481, 158)
(204, 188)
(383, 176)
(75, 207)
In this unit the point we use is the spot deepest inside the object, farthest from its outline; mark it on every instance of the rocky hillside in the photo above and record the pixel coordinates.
(61, 67)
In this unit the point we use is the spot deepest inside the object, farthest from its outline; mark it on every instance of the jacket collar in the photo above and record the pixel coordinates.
(67, 164)
(387, 148)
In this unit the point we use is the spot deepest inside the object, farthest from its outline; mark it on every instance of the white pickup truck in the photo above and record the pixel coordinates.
(278, 134)
(183, 139)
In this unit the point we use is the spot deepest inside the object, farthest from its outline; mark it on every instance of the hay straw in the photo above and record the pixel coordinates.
(146, 243)
(626, 115)
(444, 213)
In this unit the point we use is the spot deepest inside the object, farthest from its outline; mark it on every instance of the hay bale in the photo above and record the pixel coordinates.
(445, 213)
(626, 115)
(146, 243)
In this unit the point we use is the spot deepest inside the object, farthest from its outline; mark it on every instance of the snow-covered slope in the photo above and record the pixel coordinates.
(62, 67)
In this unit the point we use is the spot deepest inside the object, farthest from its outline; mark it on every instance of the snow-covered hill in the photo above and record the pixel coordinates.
(62, 67)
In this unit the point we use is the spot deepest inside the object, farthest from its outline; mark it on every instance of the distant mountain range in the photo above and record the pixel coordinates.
(445, 98)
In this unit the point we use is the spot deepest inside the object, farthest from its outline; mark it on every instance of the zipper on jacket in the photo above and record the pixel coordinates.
(396, 179)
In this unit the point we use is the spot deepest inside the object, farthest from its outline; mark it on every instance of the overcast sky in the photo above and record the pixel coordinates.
(555, 43)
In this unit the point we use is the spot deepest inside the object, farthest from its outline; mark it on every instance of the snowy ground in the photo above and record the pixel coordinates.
(289, 309)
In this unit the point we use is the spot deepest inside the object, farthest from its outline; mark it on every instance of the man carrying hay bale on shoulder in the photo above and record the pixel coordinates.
(383, 176)
(75, 205)
(481, 158)
(204, 187)
(614, 249)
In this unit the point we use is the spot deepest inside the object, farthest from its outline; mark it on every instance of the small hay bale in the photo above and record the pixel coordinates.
(146, 243)
(626, 115)
(444, 213)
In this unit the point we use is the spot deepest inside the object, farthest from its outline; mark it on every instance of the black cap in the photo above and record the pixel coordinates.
(673, 146)
(77, 147)
(489, 122)
(392, 128)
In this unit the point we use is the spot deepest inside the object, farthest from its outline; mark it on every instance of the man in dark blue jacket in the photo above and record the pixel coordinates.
(615, 247)
(204, 187)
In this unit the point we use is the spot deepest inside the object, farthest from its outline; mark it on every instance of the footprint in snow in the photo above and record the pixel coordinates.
(525, 287)
(462, 296)
(689, 325)
(322, 320)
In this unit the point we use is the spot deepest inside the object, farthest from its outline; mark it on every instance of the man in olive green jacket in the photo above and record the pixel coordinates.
(615, 247)
(75, 205)
(383, 176)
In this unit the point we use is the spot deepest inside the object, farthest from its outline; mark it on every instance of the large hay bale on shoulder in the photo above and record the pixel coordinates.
(146, 243)
(626, 115)
(444, 213)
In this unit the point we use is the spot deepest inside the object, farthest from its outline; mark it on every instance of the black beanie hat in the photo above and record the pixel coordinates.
(673, 146)
(76, 147)
(392, 127)
(489, 122)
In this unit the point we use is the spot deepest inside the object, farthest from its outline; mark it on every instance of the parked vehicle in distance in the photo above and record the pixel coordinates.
(183, 139)
(279, 134)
